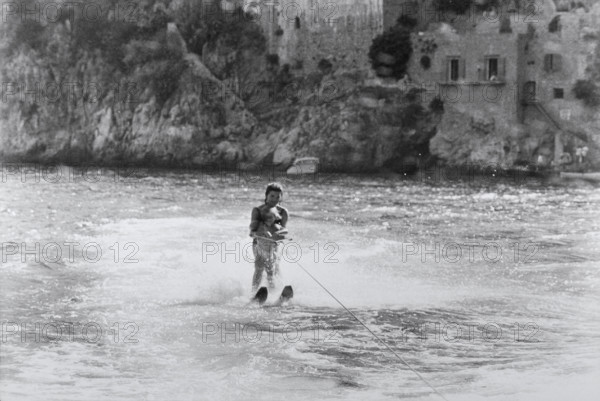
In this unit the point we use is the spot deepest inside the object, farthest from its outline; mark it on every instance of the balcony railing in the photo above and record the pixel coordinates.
(478, 82)
(482, 79)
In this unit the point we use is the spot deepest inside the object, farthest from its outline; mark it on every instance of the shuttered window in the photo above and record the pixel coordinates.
(494, 69)
(559, 93)
(502, 68)
(552, 62)
(557, 63)
(462, 68)
(455, 69)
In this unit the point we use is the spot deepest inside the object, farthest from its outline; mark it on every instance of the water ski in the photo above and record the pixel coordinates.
(286, 295)
(261, 295)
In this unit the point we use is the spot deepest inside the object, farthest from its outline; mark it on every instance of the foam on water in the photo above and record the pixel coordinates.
(208, 261)
(177, 290)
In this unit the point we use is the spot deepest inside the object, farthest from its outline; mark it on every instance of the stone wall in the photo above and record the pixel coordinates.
(521, 37)
(472, 90)
(303, 32)
(575, 43)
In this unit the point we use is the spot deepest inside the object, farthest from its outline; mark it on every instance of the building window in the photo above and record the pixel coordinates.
(505, 24)
(492, 69)
(455, 69)
(529, 92)
(552, 62)
(559, 93)
(554, 25)
(425, 62)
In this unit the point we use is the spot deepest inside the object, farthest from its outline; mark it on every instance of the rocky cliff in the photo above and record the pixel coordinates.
(173, 89)
(149, 100)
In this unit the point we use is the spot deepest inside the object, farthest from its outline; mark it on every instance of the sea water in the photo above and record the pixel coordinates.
(137, 286)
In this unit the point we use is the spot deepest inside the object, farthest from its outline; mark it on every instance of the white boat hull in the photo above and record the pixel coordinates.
(581, 176)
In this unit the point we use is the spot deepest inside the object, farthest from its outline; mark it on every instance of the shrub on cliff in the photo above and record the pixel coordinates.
(109, 37)
(407, 22)
(436, 105)
(325, 66)
(412, 114)
(193, 24)
(457, 6)
(233, 39)
(588, 92)
(201, 23)
(28, 33)
(241, 33)
(154, 64)
(272, 60)
(110, 34)
(122, 47)
(390, 52)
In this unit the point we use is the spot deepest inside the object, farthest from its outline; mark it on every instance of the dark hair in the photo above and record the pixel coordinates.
(273, 186)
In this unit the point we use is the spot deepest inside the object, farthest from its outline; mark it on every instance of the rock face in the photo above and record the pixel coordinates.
(157, 103)
(194, 119)
(181, 121)
(464, 138)
(349, 136)
(188, 128)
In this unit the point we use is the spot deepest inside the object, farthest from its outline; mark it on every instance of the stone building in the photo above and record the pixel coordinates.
(304, 32)
(552, 59)
(510, 68)
(515, 65)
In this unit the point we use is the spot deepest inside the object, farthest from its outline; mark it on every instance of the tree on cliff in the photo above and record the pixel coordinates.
(458, 6)
(231, 38)
(112, 42)
(391, 51)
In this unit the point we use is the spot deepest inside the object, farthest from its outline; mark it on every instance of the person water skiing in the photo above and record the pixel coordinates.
(267, 235)
(265, 247)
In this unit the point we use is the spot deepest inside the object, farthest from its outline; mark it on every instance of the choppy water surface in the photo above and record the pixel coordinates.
(488, 288)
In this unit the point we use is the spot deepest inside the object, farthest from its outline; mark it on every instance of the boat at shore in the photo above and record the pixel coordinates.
(304, 165)
(591, 176)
